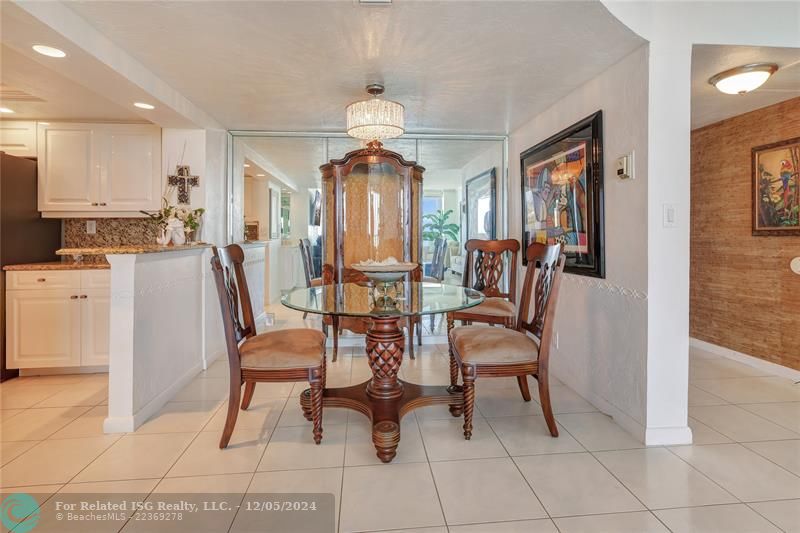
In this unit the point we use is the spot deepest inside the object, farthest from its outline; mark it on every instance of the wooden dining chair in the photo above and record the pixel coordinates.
(503, 352)
(275, 356)
(483, 271)
(437, 270)
(312, 280)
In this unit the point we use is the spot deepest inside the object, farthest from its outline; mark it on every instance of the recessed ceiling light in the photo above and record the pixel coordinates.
(246, 165)
(142, 105)
(44, 123)
(49, 51)
(6, 110)
(260, 175)
(741, 80)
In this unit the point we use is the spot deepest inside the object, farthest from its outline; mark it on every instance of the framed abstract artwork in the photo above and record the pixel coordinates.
(562, 195)
(479, 199)
(776, 188)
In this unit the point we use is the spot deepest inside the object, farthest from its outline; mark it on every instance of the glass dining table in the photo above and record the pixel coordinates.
(384, 398)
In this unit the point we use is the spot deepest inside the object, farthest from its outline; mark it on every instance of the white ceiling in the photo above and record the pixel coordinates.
(709, 105)
(59, 98)
(458, 67)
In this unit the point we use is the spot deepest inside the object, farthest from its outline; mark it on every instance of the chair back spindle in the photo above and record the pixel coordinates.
(486, 262)
(234, 296)
(540, 289)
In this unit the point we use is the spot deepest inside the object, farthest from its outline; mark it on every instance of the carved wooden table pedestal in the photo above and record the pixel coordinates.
(385, 398)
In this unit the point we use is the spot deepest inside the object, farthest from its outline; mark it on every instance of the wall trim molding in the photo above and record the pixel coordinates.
(605, 286)
(749, 360)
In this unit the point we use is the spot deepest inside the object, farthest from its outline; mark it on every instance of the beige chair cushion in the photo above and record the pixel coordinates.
(493, 345)
(284, 348)
(494, 307)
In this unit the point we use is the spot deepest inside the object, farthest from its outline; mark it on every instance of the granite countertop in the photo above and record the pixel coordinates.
(134, 249)
(58, 265)
(248, 244)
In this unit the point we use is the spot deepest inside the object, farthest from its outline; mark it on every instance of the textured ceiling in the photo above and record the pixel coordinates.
(458, 67)
(709, 105)
(60, 97)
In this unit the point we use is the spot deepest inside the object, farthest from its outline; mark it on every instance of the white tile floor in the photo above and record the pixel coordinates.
(742, 473)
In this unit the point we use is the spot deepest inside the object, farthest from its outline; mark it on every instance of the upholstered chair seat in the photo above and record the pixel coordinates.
(494, 307)
(285, 348)
(492, 345)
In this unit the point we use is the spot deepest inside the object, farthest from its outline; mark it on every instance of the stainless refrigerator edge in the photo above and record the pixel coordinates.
(25, 237)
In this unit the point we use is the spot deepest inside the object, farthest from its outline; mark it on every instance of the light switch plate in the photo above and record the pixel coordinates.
(670, 216)
(624, 167)
(91, 227)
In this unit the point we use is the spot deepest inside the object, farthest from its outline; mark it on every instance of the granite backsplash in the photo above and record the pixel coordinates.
(110, 232)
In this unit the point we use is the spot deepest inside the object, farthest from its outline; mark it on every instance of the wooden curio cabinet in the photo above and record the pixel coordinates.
(372, 208)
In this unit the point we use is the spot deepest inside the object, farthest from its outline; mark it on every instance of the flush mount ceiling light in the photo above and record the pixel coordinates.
(375, 118)
(48, 51)
(741, 80)
(6, 110)
(142, 105)
(246, 165)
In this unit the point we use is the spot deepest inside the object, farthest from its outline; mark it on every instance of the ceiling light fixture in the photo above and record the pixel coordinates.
(741, 80)
(48, 51)
(6, 110)
(246, 165)
(375, 118)
(142, 105)
(44, 123)
(260, 175)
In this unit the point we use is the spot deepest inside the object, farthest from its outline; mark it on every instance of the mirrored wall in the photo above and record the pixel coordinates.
(275, 186)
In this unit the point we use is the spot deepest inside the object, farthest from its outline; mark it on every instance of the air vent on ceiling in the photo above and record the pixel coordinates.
(10, 94)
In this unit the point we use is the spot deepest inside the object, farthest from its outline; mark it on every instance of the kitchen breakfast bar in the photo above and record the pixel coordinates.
(157, 326)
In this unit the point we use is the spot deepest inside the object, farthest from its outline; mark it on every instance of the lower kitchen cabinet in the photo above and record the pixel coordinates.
(57, 327)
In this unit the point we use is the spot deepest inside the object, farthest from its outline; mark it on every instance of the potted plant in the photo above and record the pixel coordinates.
(192, 220)
(436, 226)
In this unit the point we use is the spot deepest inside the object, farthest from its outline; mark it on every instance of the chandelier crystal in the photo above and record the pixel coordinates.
(375, 118)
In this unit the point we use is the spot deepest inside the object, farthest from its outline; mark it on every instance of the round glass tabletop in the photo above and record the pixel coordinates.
(400, 299)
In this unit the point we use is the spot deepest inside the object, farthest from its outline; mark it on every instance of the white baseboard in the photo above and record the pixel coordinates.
(668, 436)
(749, 360)
(128, 424)
(57, 371)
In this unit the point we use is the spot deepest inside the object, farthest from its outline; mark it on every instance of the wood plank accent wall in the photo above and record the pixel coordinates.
(743, 295)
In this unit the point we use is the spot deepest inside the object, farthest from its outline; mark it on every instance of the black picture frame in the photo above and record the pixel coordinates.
(585, 240)
(482, 181)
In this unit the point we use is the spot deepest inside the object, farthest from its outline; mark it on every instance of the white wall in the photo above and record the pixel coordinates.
(602, 324)
(672, 28)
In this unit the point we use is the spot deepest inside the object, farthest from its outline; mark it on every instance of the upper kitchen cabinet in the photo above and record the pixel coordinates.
(98, 169)
(18, 137)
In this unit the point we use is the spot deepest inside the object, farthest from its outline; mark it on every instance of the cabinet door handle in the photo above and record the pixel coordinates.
(41, 280)
(73, 297)
(95, 204)
(102, 203)
(83, 296)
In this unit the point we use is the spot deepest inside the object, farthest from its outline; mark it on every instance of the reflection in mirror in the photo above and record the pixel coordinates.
(289, 165)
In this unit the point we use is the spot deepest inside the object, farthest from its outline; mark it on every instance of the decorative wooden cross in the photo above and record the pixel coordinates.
(183, 179)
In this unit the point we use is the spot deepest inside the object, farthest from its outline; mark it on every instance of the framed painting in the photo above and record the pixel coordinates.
(562, 195)
(479, 200)
(776, 188)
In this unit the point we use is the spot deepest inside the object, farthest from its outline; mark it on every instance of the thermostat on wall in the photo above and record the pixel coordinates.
(625, 167)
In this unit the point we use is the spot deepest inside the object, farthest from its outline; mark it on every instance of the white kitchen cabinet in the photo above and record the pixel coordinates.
(43, 328)
(69, 173)
(95, 313)
(18, 137)
(57, 327)
(131, 168)
(97, 169)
